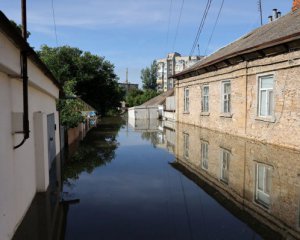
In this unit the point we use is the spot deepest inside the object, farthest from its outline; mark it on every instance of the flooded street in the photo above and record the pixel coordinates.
(154, 180)
(144, 191)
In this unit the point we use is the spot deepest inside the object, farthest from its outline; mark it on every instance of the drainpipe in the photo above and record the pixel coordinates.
(24, 73)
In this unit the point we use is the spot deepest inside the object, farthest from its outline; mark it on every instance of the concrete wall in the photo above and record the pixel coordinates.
(20, 169)
(243, 120)
(283, 212)
(142, 112)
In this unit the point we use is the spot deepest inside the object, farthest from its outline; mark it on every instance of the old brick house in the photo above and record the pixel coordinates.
(250, 88)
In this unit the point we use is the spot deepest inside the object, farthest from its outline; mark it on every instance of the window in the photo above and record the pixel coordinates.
(225, 160)
(205, 99)
(186, 100)
(265, 95)
(204, 155)
(226, 97)
(263, 184)
(186, 145)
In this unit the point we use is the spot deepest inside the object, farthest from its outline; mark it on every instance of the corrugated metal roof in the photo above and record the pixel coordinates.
(279, 31)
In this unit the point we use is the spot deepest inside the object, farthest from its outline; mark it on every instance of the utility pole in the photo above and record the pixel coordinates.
(260, 12)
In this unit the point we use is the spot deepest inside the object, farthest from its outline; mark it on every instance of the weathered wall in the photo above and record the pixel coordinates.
(283, 211)
(18, 168)
(244, 87)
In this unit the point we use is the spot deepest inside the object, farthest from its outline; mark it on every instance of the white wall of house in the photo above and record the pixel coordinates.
(23, 171)
(143, 112)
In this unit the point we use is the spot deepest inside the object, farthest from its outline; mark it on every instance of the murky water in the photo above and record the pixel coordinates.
(150, 180)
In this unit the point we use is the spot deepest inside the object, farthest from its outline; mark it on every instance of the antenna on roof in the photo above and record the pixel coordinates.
(260, 11)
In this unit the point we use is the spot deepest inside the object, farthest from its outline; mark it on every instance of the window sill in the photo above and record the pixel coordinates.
(226, 115)
(270, 119)
(204, 114)
(186, 112)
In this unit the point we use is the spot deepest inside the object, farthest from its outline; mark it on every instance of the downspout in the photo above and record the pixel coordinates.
(24, 73)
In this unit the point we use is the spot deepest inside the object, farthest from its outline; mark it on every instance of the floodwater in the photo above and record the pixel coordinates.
(158, 180)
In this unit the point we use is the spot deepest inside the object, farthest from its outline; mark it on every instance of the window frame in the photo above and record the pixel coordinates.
(203, 97)
(259, 90)
(228, 160)
(186, 145)
(204, 155)
(223, 94)
(263, 191)
(186, 99)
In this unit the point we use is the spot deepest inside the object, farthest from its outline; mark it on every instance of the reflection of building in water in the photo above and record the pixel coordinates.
(147, 124)
(262, 180)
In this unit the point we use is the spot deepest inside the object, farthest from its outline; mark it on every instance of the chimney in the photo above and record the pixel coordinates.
(278, 14)
(275, 14)
(270, 19)
(296, 5)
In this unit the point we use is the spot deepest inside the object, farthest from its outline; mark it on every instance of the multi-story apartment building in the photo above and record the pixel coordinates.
(172, 64)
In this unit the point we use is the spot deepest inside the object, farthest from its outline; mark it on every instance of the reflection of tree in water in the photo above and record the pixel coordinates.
(153, 137)
(97, 149)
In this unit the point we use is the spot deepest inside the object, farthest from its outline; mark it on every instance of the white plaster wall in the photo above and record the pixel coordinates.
(18, 181)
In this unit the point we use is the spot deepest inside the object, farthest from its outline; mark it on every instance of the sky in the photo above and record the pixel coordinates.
(132, 33)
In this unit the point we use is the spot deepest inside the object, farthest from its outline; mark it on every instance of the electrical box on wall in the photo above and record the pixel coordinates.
(17, 122)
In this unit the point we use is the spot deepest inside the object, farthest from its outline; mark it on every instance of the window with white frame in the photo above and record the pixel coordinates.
(205, 99)
(204, 155)
(265, 95)
(225, 161)
(226, 97)
(263, 184)
(186, 99)
(186, 145)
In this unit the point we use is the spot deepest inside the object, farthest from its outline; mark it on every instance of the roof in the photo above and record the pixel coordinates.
(9, 30)
(260, 41)
(160, 99)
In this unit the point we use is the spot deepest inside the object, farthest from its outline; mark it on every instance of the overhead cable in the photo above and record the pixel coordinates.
(216, 22)
(54, 22)
(169, 22)
(208, 4)
(178, 23)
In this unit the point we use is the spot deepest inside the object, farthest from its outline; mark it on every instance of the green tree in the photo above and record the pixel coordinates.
(93, 76)
(70, 110)
(149, 76)
(137, 97)
(19, 27)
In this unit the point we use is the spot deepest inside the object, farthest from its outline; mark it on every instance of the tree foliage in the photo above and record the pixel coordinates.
(137, 97)
(19, 28)
(93, 77)
(70, 114)
(149, 76)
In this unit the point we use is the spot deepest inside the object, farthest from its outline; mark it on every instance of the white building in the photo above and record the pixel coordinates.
(25, 170)
(172, 64)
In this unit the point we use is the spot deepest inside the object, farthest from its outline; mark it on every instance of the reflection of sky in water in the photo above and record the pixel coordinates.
(139, 195)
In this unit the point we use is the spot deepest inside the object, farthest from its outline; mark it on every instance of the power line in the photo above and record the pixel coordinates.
(169, 22)
(212, 33)
(179, 19)
(208, 4)
(54, 22)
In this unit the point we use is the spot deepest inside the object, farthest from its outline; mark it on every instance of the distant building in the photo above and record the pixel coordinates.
(127, 86)
(172, 64)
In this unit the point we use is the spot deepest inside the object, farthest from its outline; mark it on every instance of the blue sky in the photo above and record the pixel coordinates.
(132, 33)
